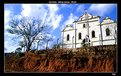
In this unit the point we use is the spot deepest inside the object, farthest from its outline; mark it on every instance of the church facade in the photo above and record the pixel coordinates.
(89, 29)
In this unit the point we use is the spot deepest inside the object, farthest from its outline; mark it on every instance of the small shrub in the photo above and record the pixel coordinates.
(33, 50)
(21, 54)
(42, 52)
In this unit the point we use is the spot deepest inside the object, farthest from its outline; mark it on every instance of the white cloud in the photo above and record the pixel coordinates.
(50, 36)
(7, 16)
(54, 18)
(80, 8)
(33, 10)
(56, 21)
(41, 10)
(101, 9)
(65, 5)
(26, 9)
(10, 45)
(70, 20)
(54, 37)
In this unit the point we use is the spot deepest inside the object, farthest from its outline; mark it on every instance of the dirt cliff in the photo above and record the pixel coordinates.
(84, 60)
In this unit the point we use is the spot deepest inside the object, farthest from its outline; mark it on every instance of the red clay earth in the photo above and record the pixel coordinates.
(85, 60)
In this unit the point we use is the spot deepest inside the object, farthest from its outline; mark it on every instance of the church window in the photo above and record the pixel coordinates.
(68, 37)
(83, 25)
(79, 35)
(107, 32)
(93, 34)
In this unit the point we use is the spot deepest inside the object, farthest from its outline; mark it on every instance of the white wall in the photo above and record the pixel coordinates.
(110, 26)
(109, 42)
(71, 34)
(93, 26)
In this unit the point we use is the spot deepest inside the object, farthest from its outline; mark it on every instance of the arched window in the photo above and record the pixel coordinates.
(68, 37)
(83, 25)
(107, 32)
(93, 34)
(79, 36)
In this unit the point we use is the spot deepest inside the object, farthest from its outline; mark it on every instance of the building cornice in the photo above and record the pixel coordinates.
(68, 30)
(67, 26)
(108, 23)
(88, 19)
(91, 41)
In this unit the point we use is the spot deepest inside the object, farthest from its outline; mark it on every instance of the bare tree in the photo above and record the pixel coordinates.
(18, 50)
(28, 28)
(22, 44)
(41, 38)
(47, 39)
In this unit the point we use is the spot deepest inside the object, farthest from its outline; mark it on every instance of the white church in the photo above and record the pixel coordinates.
(89, 30)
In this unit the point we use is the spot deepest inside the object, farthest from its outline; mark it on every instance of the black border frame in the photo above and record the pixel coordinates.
(2, 2)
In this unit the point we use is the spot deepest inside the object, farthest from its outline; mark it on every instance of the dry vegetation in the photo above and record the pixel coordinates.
(91, 59)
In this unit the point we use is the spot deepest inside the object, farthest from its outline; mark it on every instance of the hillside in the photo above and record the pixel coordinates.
(91, 59)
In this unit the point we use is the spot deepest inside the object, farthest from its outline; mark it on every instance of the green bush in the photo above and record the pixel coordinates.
(42, 52)
(33, 51)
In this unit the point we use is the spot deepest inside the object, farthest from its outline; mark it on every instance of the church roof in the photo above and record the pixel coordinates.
(68, 27)
(107, 20)
(90, 16)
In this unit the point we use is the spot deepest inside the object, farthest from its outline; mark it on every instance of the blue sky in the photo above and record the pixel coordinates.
(58, 17)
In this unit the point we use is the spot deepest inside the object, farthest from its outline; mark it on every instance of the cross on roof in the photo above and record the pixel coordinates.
(85, 11)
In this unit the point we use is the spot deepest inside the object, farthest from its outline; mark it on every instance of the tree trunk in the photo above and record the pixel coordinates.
(28, 47)
(37, 45)
(24, 48)
(47, 45)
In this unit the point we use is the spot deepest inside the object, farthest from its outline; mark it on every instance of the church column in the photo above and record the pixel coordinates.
(62, 39)
(72, 41)
(75, 34)
(86, 16)
(101, 34)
